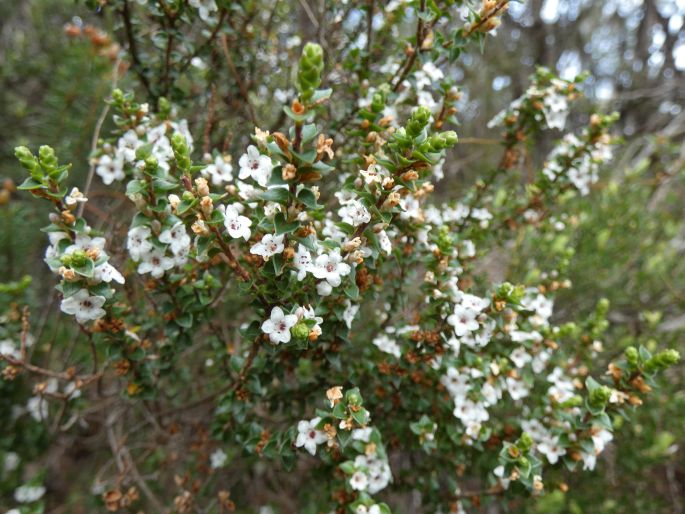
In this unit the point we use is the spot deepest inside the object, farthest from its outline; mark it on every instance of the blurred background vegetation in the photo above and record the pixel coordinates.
(627, 245)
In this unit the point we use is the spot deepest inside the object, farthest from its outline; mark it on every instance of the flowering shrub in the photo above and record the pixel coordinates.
(306, 299)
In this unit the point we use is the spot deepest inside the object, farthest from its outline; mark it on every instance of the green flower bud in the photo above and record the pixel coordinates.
(574, 401)
(602, 307)
(662, 360)
(309, 71)
(48, 160)
(444, 239)
(76, 259)
(600, 396)
(352, 397)
(632, 356)
(418, 121)
(28, 161)
(669, 357)
(181, 152)
(377, 102)
(164, 107)
(118, 96)
(151, 164)
(300, 331)
(188, 196)
(525, 442)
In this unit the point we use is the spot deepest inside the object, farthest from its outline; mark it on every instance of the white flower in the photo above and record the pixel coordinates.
(237, 225)
(331, 268)
(308, 435)
(155, 263)
(177, 238)
(550, 448)
(29, 493)
(457, 384)
(218, 458)
(433, 72)
(277, 327)
(387, 345)
(324, 288)
(37, 407)
(7, 347)
(110, 169)
(463, 320)
(600, 438)
(205, 8)
(75, 197)
(255, 165)
(359, 481)
(350, 313)
(362, 434)
(589, 461)
(138, 243)
(220, 172)
(84, 306)
(303, 262)
(520, 357)
(517, 388)
(384, 242)
(127, 146)
(11, 461)
(106, 273)
(354, 213)
(269, 246)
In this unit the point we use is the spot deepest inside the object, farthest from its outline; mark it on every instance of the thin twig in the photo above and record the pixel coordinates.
(239, 81)
(96, 137)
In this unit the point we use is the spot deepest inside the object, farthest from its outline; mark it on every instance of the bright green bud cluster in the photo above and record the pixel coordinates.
(599, 397)
(510, 292)
(377, 102)
(300, 331)
(118, 96)
(632, 356)
(151, 164)
(28, 161)
(164, 108)
(76, 259)
(662, 360)
(181, 152)
(352, 397)
(309, 71)
(602, 308)
(569, 329)
(525, 442)
(48, 159)
(444, 239)
(438, 142)
(418, 121)
(574, 401)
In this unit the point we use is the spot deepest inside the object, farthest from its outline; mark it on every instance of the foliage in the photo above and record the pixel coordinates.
(326, 323)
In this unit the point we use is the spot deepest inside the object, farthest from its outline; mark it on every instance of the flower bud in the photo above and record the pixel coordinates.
(28, 161)
(300, 330)
(181, 152)
(599, 397)
(418, 121)
(309, 72)
(632, 355)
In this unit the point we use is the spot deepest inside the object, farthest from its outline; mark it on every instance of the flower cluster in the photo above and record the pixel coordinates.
(75, 253)
(367, 471)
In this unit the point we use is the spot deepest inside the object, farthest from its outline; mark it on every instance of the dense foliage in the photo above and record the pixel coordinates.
(274, 294)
